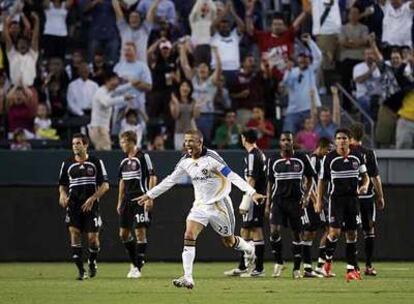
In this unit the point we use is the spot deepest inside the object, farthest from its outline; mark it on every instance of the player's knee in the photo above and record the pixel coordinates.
(351, 236)
(189, 235)
(93, 240)
(141, 235)
(124, 235)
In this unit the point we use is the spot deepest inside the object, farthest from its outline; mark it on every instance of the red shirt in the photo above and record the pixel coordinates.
(263, 140)
(280, 47)
(20, 116)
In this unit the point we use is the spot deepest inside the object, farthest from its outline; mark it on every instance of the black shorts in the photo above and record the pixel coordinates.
(287, 212)
(311, 220)
(133, 216)
(344, 213)
(368, 212)
(84, 221)
(254, 217)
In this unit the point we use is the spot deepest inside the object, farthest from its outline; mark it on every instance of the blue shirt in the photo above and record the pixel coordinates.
(300, 82)
(103, 21)
(166, 9)
(328, 131)
(137, 70)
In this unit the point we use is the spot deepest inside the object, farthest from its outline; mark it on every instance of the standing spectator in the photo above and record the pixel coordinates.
(328, 122)
(264, 128)
(397, 23)
(307, 139)
(353, 40)
(326, 26)
(102, 104)
(367, 77)
(135, 30)
(201, 20)
(227, 42)
(227, 135)
(103, 33)
(137, 73)
(300, 81)
(277, 44)
(164, 70)
(184, 110)
(55, 31)
(165, 11)
(20, 142)
(134, 121)
(205, 90)
(371, 16)
(157, 144)
(23, 57)
(72, 68)
(80, 92)
(99, 67)
(21, 109)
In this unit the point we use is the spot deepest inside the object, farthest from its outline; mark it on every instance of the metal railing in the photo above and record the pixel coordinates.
(362, 112)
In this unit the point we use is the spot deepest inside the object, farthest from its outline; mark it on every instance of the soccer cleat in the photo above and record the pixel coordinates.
(93, 269)
(352, 275)
(253, 274)
(82, 275)
(277, 270)
(312, 274)
(235, 272)
(327, 270)
(133, 273)
(296, 274)
(250, 258)
(183, 282)
(370, 271)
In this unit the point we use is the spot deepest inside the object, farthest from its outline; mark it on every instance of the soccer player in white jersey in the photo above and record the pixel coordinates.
(211, 178)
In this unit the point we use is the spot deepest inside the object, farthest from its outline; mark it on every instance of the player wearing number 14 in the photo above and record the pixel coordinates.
(82, 182)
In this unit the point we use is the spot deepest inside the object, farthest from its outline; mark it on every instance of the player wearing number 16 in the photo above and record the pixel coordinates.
(82, 182)
(212, 179)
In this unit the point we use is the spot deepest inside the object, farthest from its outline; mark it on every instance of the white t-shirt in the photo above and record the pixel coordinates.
(332, 24)
(80, 94)
(397, 23)
(139, 37)
(138, 129)
(371, 86)
(42, 123)
(56, 20)
(228, 49)
(22, 66)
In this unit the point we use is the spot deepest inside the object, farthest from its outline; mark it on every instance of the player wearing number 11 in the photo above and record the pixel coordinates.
(212, 179)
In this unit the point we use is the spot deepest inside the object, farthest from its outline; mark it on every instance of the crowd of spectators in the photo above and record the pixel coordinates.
(161, 67)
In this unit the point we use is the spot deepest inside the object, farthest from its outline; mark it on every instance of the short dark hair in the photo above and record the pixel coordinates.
(287, 132)
(250, 135)
(357, 131)
(131, 112)
(345, 131)
(324, 109)
(83, 138)
(324, 143)
(130, 136)
(109, 75)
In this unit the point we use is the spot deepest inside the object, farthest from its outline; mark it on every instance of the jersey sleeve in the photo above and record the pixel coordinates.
(101, 174)
(168, 182)
(148, 164)
(309, 170)
(362, 164)
(252, 164)
(325, 172)
(63, 175)
(218, 163)
(372, 164)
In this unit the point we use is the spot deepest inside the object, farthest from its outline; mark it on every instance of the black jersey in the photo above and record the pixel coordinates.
(286, 174)
(82, 178)
(343, 172)
(316, 162)
(135, 173)
(372, 167)
(255, 161)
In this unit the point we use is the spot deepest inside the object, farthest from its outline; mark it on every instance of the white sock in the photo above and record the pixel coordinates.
(188, 261)
(242, 245)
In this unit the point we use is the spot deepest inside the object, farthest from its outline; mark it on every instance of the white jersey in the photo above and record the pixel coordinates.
(210, 175)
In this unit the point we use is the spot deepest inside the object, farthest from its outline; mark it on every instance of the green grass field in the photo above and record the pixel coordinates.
(54, 283)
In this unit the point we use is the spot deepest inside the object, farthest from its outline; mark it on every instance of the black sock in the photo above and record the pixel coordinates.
(259, 250)
(322, 256)
(93, 254)
(297, 254)
(276, 243)
(130, 247)
(242, 266)
(351, 255)
(369, 249)
(141, 248)
(77, 257)
(307, 255)
(330, 248)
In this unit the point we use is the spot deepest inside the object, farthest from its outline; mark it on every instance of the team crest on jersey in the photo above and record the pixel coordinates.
(355, 165)
(133, 166)
(204, 171)
(90, 171)
(296, 167)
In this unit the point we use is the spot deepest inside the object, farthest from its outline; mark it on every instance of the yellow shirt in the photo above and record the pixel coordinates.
(407, 109)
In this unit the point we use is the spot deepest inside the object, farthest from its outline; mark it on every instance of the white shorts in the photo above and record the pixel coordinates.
(219, 215)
